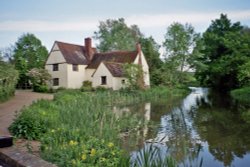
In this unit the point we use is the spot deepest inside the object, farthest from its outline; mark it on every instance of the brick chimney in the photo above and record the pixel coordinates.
(138, 47)
(88, 47)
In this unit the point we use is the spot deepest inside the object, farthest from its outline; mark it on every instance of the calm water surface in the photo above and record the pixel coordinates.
(202, 125)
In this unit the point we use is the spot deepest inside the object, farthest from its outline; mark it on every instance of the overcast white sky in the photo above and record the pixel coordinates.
(72, 21)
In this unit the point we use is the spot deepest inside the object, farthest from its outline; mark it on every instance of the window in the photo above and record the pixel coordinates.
(55, 81)
(74, 67)
(123, 81)
(55, 67)
(104, 80)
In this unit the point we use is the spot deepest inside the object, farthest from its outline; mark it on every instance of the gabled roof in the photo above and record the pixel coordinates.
(116, 57)
(116, 69)
(74, 54)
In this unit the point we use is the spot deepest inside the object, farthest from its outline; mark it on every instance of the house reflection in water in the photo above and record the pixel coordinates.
(135, 138)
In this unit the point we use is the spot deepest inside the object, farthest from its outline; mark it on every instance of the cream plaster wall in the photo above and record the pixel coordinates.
(145, 68)
(102, 71)
(55, 56)
(117, 83)
(75, 78)
(61, 74)
(89, 73)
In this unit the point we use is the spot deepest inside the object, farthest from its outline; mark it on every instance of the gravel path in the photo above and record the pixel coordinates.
(8, 109)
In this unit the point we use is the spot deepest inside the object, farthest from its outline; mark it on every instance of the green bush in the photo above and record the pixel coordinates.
(86, 86)
(41, 88)
(31, 123)
(241, 94)
(28, 126)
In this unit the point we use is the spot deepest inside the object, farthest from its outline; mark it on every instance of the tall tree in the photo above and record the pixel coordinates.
(226, 48)
(116, 35)
(151, 51)
(179, 43)
(28, 53)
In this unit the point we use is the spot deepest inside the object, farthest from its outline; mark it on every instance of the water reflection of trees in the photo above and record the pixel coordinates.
(220, 124)
(190, 125)
(183, 144)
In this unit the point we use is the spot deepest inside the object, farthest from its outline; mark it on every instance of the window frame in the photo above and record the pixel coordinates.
(55, 67)
(103, 80)
(75, 67)
(55, 82)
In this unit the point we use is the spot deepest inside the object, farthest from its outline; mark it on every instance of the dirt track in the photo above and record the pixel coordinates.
(8, 109)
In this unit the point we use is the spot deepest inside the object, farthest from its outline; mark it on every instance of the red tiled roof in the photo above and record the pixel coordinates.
(116, 69)
(116, 57)
(74, 54)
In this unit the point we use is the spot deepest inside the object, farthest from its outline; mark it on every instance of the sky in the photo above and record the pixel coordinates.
(72, 21)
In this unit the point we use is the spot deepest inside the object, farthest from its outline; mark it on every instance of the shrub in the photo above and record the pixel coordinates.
(86, 86)
(8, 80)
(39, 78)
(41, 88)
(28, 126)
(242, 94)
(31, 123)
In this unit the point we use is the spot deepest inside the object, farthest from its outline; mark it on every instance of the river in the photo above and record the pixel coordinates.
(201, 127)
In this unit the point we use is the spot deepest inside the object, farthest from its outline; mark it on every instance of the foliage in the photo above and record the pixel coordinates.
(39, 79)
(80, 128)
(179, 43)
(241, 94)
(151, 52)
(32, 123)
(244, 74)
(116, 35)
(86, 86)
(134, 75)
(28, 53)
(8, 80)
(225, 49)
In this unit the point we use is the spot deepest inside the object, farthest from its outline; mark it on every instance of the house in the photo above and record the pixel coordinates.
(70, 65)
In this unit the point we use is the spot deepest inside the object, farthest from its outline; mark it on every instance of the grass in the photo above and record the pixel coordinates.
(80, 129)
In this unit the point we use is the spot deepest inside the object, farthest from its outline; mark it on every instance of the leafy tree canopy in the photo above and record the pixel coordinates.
(28, 53)
(225, 49)
(116, 35)
(179, 43)
(151, 51)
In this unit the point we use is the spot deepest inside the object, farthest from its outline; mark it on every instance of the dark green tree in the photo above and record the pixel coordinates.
(28, 53)
(225, 49)
(116, 35)
(151, 51)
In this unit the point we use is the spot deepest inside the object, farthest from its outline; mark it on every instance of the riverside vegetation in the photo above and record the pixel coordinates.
(80, 129)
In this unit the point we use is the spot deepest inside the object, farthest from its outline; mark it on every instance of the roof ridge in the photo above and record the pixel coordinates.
(118, 51)
(69, 43)
(112, 62)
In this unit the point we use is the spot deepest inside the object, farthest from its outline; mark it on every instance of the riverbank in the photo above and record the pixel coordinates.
(80, 128)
